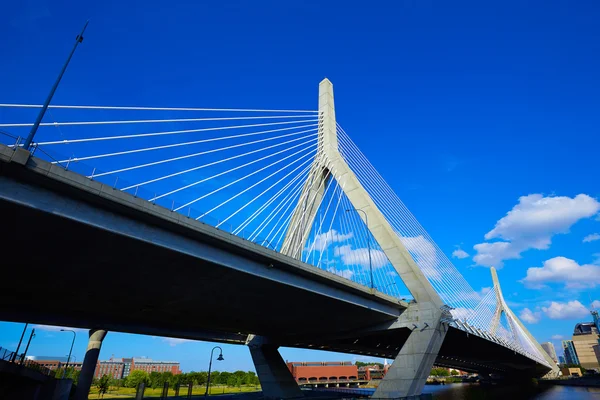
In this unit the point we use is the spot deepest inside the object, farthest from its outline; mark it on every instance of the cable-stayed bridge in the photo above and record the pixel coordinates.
(251, 226)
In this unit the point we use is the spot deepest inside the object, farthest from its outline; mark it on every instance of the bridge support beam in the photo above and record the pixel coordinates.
(275, 378)
(89, 363)
(409, 371)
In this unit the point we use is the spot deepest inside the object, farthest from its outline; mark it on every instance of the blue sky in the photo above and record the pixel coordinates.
(468, 110)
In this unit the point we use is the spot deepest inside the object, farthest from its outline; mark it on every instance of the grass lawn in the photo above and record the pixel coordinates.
(129, 393)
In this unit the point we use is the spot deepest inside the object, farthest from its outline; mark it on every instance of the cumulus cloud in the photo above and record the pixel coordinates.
(462, 313)
(423, 252)
(565, 271)
(360, 256)
(322, 241)
(174, 341)
(531, 224)
(569, 310)
(344, 273)
(485, 290)
(529, 316)
(591, 237)
(596, 304)
(460, 253)
(557, 337)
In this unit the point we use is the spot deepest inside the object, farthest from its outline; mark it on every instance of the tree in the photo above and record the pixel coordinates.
(439, 372)
(454, 372)
(103, 385)
(135, 378)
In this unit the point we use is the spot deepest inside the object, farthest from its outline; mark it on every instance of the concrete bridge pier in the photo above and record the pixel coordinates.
(275, 378)
(89, 363)
(409, 371)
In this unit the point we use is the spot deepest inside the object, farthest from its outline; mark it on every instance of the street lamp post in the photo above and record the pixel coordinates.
(71, 350)
(368, 244)
(28, 343)
(20, 341)
(220, 358)
(40, 116)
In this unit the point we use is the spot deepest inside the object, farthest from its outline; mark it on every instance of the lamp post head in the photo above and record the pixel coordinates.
(220, 358)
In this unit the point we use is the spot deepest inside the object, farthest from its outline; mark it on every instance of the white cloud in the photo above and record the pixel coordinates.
(531, 225)
(322, 241)
(345, 273)
(591, 237)
(569, 310)
(596, 304)
(529, 316)
(462, 313)
(460, 253)
(52, 328)
(557, 337)
(423, 252)
(563, 270)
(485, 290)
(174, 341)
(360, 256)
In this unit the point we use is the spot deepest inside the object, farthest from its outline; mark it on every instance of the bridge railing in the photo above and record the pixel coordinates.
(11, 357)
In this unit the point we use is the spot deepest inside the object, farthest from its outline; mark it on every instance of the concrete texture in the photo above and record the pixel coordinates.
(275, 378)
(89, 364)
(409, 371)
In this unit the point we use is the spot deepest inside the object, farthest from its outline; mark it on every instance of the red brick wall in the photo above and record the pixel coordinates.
(326, 371)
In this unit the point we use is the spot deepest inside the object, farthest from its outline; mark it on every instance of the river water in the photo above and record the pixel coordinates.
(466, 391)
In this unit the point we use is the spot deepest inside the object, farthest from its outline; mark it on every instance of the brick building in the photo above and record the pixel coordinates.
(119, 368)
(323, 372)
(54, 363)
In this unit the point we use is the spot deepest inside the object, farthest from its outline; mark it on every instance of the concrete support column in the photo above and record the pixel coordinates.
(89, 364)
(409, 372)
(275, 378)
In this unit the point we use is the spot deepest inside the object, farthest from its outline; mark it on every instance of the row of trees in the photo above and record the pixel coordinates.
(158, 379)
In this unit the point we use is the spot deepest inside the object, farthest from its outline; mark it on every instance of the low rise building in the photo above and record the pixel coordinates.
(323, 372)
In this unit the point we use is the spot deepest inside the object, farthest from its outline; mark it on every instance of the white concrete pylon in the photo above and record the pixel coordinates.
(329, 164)
(512, 318)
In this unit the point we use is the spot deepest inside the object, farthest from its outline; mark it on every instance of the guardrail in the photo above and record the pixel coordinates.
(12, 357)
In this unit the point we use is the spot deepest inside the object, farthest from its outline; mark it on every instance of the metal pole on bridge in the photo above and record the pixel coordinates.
(40, 116)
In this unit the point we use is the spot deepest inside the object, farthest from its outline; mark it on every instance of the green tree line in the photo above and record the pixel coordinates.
(158, 379)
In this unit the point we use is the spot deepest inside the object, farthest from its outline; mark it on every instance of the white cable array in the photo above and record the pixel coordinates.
(130, 108)
(426, 253)
(151, 121)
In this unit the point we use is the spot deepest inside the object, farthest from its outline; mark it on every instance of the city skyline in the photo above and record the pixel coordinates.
(501, 127)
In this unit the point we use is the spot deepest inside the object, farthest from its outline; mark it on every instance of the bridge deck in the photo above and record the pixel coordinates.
(84, 254)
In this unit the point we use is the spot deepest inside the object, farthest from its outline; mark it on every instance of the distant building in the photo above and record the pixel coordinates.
(119, 368)
(372, 372)
(54, 363)
(323, 373)
(585, 340)
(570, 353)
(561, 360)
(549, 348)
(571, 371)
(112, 368)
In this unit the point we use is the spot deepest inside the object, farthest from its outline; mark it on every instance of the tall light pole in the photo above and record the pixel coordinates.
(40, 116)
(368, 243)
(70, 351)
(220, 358)
(19, 346)
(28, 343)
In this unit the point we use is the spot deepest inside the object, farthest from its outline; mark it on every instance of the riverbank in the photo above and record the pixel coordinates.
(584, 381)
